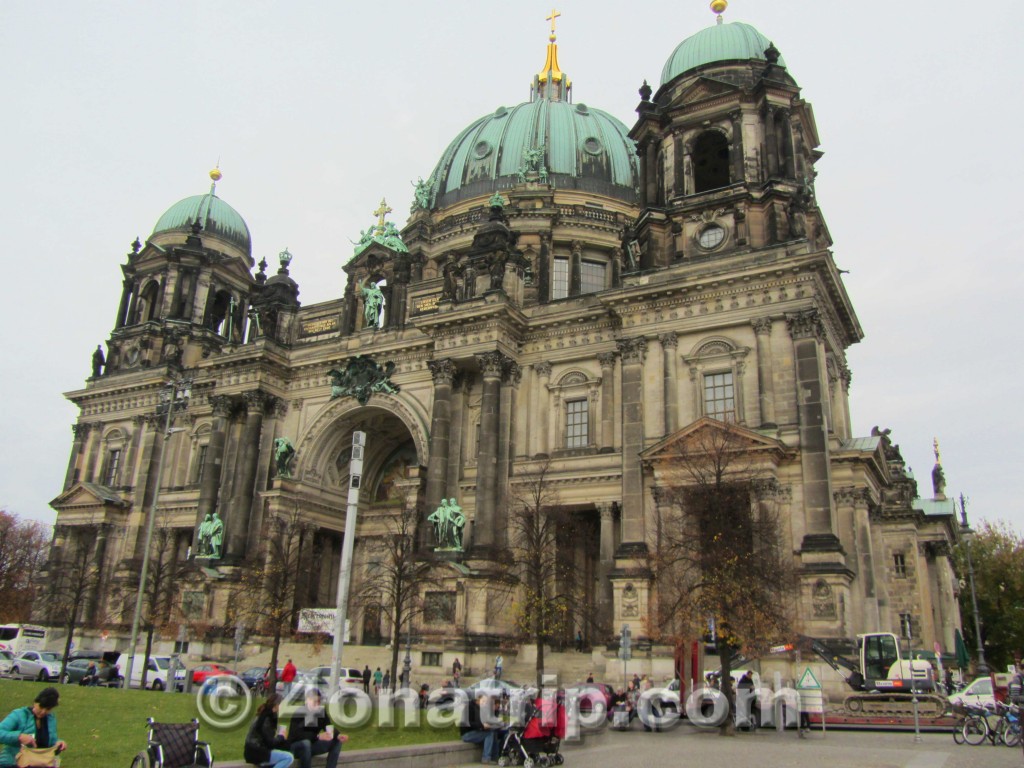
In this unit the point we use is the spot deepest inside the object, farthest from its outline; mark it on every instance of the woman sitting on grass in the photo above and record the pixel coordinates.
(263, 745)
(34, 726)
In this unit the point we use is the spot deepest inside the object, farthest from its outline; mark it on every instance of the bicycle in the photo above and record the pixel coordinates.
(1009, 726)
(977, 726)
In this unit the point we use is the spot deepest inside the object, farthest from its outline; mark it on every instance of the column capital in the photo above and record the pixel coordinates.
(845, 374)
(222, 405)
(852, 496)
(257, 400)
(491, 363)
(632, 350)
(762, 325)
(81, 429)
(669, 340)
(542, 369)
(513, 372)
(577, 247)
(607, 359)
(805, 325)
(442, 371)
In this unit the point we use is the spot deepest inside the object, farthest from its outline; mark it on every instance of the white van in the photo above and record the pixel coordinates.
(156, 675)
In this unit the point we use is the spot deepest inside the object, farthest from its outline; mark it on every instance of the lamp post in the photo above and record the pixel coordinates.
(967, 534)
(174, 397)
(407, 663)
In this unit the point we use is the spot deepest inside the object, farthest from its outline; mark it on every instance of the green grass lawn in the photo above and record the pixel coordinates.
(106, 728)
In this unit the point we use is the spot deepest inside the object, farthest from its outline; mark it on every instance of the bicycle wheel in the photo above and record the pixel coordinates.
(1009, 733)
(975, 730)
(958, 732)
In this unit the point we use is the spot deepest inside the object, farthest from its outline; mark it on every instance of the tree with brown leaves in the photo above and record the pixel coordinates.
(23, 548)
(717, 551)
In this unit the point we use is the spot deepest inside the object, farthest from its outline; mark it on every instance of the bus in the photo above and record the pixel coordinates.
(22, 637)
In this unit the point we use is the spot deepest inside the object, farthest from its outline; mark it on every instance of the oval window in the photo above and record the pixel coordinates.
(482, 150)
(711, 237)
(592, 145)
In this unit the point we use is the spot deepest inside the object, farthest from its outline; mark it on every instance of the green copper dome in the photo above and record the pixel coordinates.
(216, 217)
(570, 146)
(722, 42)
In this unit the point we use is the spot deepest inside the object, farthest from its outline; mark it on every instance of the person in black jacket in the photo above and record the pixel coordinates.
(263, 745)
(310, 733)
(476, 730)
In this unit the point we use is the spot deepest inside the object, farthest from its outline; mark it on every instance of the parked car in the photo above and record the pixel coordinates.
(78, 669)
(202, 672)
(979, 693)
(36, 665)
(321, 677)
(255, 679)
(6, 657)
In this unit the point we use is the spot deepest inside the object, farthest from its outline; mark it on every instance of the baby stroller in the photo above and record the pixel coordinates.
(535, 744)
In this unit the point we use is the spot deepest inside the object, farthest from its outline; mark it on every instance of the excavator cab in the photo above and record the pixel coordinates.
(888, 667)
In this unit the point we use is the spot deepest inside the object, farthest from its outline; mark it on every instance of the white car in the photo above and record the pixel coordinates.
(36, 665)
(979, 693)
(6, 657)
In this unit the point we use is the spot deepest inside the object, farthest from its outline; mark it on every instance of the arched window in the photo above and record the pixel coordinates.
(219, 312)
(147, 302)
(710, 162)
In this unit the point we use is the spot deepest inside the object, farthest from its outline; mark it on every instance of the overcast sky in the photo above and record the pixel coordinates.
(114, 111)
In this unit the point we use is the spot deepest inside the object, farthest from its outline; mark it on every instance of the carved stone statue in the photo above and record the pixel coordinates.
(361, 377)
(216, 536)
(98, 361)
(497, 271)
(283, 453)
(373, 300)
(422, 193)
(448, 521)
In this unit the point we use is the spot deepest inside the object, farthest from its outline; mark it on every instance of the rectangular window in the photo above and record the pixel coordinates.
(201, 463)
(113, 464)
(439, 607)
(431, 659)
(906, 626)
(899, 563)
(719, 397)
(577, 432)
(560, 279)
(592, 277)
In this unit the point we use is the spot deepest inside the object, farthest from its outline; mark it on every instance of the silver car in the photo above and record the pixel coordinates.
(6, 657)
(36, 665)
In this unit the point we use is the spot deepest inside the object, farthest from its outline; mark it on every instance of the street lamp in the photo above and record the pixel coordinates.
(967, 534)
(174, 397)
(407, 663)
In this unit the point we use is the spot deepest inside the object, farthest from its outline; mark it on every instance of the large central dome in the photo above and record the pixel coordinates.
(570, 146)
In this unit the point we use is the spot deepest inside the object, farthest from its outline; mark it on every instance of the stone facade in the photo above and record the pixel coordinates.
(550, 326)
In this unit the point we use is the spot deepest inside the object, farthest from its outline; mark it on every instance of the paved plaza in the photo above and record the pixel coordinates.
(687, 746)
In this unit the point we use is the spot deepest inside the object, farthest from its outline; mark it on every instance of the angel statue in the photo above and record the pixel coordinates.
(283, 453)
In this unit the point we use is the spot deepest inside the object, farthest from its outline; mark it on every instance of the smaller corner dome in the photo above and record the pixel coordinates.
(734, 41)
(216, 217)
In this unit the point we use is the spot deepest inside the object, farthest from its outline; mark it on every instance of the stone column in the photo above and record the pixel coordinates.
(443, 371)
(457, 431)
(99, 557)
(92, 451)
(786, 162)
(641, 151)
(606, 564)
(208, 489)
(486, 537)
(512, 375)
(575, 269)
(765, 374)
(632, 353)
(122, 308)
(806, 330)
(237, 524)
(650, 159)
(133, 303)
(275, 409)
(81, 433)
(736, 149)
(607, 361)
(544, 374)
(840, 399)
(770, 142)
(669, 342)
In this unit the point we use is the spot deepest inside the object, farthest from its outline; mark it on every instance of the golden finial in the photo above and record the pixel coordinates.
(718, 8)
(216, 175)
(935, 446)
(554, 15)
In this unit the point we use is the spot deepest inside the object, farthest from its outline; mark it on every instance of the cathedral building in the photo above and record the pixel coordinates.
(569, 296)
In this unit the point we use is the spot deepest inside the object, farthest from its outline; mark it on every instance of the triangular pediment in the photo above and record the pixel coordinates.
(707, 434)
(82, 495)
(703, 89)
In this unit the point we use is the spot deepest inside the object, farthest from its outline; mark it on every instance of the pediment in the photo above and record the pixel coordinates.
(82, 495)
(702, 89)
(708, 434)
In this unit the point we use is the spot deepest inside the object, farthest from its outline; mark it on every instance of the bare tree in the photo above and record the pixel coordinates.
(717, 552)
(267, 596)
(396, 578)
(547, 585)
(72, 576)
(23, 548)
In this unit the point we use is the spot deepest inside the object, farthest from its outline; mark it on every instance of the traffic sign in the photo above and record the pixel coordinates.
(808, 682)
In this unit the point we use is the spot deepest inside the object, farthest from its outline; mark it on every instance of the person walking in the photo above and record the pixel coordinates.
(386, 682)
(263, 745)
(288, 676)
(456, 671)
(499, 663)
(34, 726)
(579, 641)
(377, 680)
(366, 679)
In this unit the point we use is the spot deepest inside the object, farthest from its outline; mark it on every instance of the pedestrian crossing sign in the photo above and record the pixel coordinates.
(808, 681)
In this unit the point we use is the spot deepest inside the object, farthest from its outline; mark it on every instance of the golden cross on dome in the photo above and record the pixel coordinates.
(381, 212)
(554, 15)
